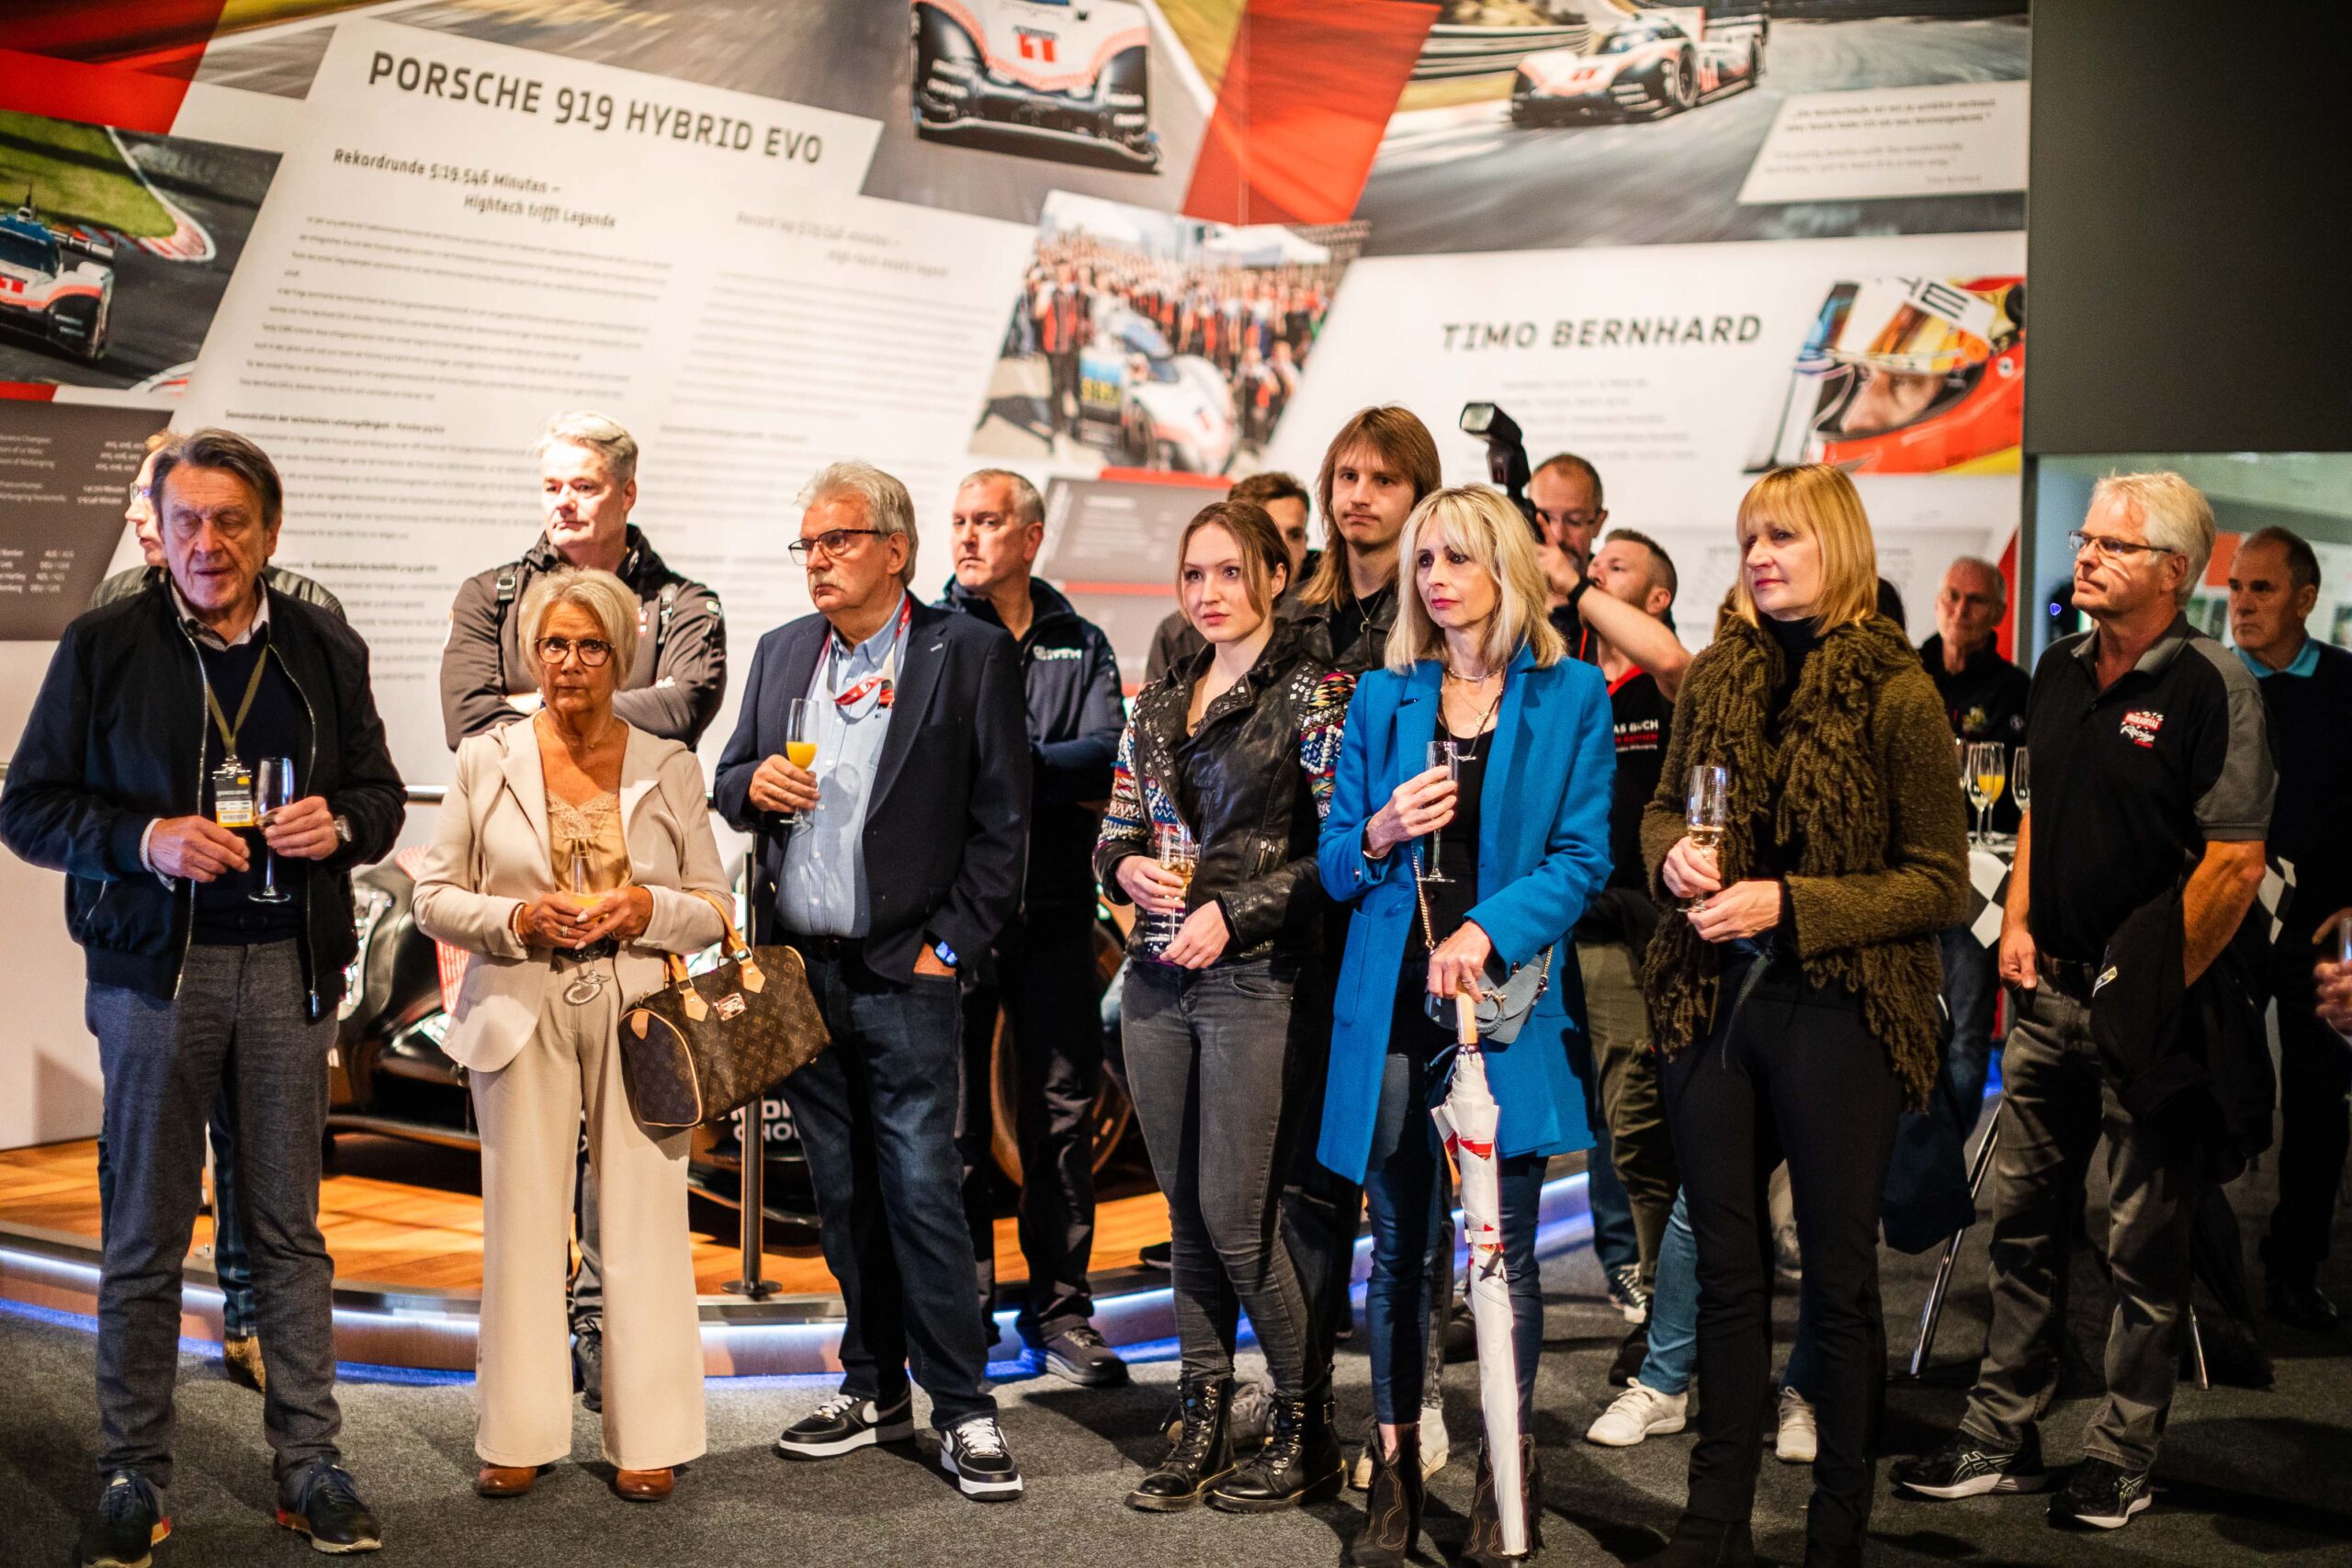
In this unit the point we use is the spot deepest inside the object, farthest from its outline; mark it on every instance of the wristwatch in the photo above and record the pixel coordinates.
(342, 828)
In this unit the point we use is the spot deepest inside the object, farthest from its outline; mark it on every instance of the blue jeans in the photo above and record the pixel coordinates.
(877, 1119)
(232, 1265)
(1674, 1307)
(1208, 1057)
(1402, 1189)
(1971, 989)
(1615, 1240)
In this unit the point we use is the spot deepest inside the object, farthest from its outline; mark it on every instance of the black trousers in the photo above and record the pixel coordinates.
(1046, 983)
(1796, 1075)
(1321, 1209)
(2314, 1071)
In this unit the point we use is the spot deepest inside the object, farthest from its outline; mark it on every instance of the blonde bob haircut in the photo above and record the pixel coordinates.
(1819, 501)
(607, 599)
(1482, 525)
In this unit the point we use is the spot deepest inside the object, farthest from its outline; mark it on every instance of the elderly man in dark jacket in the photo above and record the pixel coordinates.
(136, 777)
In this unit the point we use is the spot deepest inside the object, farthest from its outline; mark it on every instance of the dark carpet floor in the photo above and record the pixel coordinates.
(2245, 1477)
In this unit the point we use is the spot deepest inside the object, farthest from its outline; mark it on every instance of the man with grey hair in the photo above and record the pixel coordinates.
(674, 681)
(889, 860)
(676, 676)
(2135, 866)
(1044, 972)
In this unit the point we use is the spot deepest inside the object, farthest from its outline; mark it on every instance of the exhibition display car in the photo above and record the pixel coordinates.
(1647, 67)
(1156, 408)
(54, 286)
(1069, 76)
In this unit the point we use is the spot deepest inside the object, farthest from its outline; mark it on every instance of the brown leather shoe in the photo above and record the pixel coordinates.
(243, 1359)
(505, 1480)
(644, 1485)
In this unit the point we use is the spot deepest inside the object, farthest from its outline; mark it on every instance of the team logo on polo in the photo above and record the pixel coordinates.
(2139, 726)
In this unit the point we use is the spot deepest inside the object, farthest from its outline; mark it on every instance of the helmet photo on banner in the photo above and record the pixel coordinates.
(1907, 376)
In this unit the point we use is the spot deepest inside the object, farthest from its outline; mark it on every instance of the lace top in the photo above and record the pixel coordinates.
(594, 827)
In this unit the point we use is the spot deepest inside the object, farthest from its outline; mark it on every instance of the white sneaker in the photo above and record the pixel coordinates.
(1640, 1412)
(1797, 1441)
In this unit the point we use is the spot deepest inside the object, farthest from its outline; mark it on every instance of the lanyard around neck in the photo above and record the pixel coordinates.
(886, 679)
(220, 716)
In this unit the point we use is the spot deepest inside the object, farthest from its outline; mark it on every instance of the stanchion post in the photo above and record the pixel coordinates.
(1933, 1311)
(754, 1125)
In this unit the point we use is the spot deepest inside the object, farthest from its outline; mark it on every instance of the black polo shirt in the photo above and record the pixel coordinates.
(1985, 701)
(2130, 783)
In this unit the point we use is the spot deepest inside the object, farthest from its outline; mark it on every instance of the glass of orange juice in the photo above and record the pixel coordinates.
(799, 742)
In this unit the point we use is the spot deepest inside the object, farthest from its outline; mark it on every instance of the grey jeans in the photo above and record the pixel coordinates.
(1208, 1061)
(162, 1059)
(2058, 1098)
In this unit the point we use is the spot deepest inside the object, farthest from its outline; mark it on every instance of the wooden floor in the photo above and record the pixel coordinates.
(409, 1216)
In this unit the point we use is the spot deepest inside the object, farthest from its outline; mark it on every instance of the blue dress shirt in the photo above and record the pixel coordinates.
(823, 890)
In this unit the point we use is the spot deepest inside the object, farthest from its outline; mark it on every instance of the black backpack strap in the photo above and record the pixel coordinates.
(510, 582)
(668, 612)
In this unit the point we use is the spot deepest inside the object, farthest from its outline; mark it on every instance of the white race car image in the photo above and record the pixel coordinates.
(58, 287)
(1157, 409)
(1069, 76)
(1646, 66)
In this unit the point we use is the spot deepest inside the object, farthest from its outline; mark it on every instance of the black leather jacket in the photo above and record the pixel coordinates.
(1252, 782)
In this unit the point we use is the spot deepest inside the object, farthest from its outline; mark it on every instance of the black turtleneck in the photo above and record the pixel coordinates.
(1796, 640)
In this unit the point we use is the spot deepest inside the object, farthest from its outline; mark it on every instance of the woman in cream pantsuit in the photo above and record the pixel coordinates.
(536, 1028)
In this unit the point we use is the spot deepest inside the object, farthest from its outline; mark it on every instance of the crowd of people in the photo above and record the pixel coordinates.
(1254, 324)
(1444, 814)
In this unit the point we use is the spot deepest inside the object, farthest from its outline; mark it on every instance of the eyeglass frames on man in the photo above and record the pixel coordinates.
(833, 542)
(2114, 549)
(593, 651)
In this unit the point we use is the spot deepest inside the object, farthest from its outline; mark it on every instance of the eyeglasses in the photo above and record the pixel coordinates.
(594, 651)
(832, 541)
(2114, 549)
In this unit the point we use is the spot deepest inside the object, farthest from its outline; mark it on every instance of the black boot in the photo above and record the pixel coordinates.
(1200, 1453)
(1484, 1546)
(1392, 1514)
(1300, 1464)
(1706, 1543)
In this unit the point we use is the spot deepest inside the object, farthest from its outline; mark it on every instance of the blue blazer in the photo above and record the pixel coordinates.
(1542, 854)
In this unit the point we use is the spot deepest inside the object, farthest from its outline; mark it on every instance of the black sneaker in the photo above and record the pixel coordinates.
(588, 1365)
(130, 1520)
(1628, 1294)
(2100, 1495)
(2299, 1303)
(318, 1500)
(1160, 1255)
(972, 1451)
(845, 1422)
(1970, 1467)
(1629, 1357)
(1079, 1355)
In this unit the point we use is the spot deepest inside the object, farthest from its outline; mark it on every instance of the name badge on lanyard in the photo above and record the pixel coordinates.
(233, 780)
(884, 679)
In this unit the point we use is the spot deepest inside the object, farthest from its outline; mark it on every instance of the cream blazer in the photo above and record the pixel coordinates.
(490, 854)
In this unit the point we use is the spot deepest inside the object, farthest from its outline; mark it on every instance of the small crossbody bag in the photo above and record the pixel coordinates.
(1505, 999)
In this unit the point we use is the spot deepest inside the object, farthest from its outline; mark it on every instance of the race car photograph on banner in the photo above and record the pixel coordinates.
(1645, 66)
(1148, 340)
(1907, 376)
(1062, 79)
(115, 249)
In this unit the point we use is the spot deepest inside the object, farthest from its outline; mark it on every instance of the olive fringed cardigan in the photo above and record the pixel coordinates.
(1862, 778)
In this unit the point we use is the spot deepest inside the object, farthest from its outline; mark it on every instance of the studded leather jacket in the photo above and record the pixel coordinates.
(1252, 782)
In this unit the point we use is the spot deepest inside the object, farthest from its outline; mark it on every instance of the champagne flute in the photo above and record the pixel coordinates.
(273, 792)
(2021, 780)
(1972, 780)
(1180, 856)
(1443, 753)
(579, 880)
(1708, 810)
(1992, 776)
(799, 745)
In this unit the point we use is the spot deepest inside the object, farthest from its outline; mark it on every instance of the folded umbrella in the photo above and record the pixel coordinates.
(1466, 1120)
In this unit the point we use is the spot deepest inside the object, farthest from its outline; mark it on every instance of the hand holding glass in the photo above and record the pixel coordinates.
(272, 791)
(800, 743)
(1180, 856)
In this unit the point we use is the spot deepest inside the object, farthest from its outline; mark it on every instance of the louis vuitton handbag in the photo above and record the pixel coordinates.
(698, 1048)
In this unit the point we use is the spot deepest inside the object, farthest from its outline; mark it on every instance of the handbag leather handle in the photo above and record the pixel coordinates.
(754, 978)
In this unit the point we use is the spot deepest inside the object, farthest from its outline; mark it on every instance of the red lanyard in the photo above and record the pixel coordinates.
(884, 678)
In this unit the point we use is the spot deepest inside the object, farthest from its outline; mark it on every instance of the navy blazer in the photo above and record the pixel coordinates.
(947, 818)
(1542, 854)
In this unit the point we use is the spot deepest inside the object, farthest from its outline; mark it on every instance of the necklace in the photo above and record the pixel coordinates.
(1468, 749)
(612, 723)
